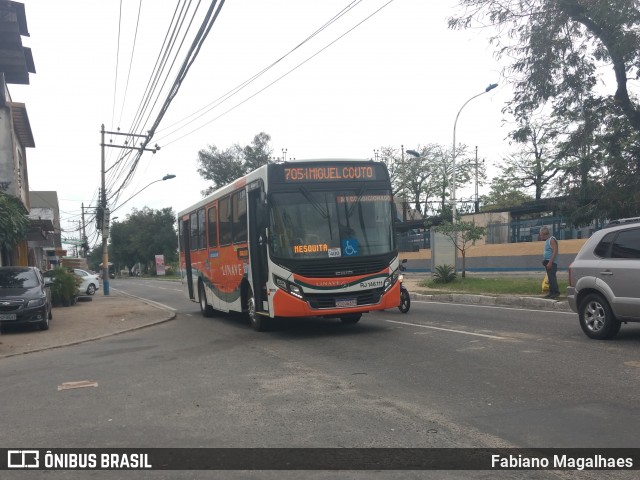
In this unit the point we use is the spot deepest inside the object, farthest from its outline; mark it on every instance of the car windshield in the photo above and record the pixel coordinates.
(12, 278)
(316, 224)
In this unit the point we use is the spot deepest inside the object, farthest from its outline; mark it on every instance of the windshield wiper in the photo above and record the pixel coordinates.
(324, 213)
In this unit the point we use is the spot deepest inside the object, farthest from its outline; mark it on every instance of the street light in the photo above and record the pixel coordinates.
(105, 233)
(453, 154)
(166, 177)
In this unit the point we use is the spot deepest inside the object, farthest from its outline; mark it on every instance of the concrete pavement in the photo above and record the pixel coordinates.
(100, 316)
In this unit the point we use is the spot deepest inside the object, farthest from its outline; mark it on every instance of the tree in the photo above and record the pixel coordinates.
(536, 164)
(224, 166)
(408, 175)
(557, 46)
(94, 257)
(461, 234)
(14, 222)
(504, 194)
(437, 162)
(602, 181)
(143, 235)
(558, 50)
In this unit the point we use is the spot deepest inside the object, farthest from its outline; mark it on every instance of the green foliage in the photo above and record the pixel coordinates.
(556, 47)
(536, 164)
(420, 179)
(504, 193)
(224, 166)
(94, 258)
(444, 274)
(495, 285)
(462, 235)
(14, 221)
(602, 179)
(143, 235)
(64, 286)
(557, 52)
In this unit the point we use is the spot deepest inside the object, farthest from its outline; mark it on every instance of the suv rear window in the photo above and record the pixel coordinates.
(627, 244)
(603, 248)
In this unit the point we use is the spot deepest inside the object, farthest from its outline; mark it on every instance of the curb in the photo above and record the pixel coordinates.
(92, 339)
(167, 315)
(531, 303)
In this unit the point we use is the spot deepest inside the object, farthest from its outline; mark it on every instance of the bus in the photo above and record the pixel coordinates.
(309, 238)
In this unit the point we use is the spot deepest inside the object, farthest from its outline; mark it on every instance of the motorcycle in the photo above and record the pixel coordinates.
(405, 299)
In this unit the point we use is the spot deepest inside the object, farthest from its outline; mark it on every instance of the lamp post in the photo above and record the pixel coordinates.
(453, 153)
(166, 177)
(105, 233)
(414, 153)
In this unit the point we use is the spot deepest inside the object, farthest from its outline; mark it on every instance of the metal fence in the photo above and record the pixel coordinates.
(413, 241)
(516, 231)
(528, 230)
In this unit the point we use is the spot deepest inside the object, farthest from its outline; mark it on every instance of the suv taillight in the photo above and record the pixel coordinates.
(570, 281)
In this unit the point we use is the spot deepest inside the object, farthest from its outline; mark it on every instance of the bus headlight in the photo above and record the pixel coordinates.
(391, 280)
(295, 290)
(288, 287)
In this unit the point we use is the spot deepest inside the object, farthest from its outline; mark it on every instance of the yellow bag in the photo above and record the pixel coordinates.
(545, 284)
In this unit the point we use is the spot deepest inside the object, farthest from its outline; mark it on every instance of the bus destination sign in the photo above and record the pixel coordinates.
(326, 173)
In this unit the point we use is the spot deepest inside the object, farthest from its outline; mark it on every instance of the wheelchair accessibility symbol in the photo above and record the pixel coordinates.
(350, 247)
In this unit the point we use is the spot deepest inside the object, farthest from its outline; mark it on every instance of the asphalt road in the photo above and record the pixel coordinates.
(443, 375)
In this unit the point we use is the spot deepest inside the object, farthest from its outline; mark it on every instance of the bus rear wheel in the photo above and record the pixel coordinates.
(205, 308)
(351, 319)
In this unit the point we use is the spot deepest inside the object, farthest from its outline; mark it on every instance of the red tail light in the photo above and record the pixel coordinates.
(570, 280)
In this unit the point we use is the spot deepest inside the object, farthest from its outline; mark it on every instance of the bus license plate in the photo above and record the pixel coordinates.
(7, 316)
(346, 302)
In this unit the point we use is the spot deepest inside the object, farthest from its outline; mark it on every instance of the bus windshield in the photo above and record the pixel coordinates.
(309, 224)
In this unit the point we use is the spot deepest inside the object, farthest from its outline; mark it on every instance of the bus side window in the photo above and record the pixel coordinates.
(202, 229)
(239, 217)
(224, 221)
(213, 227)
(194, 231)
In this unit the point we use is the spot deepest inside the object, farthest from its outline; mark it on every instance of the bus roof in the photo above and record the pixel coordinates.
(249, 177)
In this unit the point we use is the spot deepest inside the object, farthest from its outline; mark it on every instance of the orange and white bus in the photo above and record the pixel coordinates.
(310, 238)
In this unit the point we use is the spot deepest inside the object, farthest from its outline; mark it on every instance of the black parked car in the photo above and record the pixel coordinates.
(24, 297)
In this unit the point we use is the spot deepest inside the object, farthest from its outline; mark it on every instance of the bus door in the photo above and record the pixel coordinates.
(212, 262)
(186, 249)
(258, 245)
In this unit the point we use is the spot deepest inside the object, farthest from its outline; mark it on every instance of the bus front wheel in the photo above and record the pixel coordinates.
(351, 319)
(205, 308)
(259, 323)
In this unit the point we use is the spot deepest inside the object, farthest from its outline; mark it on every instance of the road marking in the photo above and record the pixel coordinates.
(494, 306)
(448, 330)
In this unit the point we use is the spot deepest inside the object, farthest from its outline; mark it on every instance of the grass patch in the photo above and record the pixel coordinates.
(494, 285)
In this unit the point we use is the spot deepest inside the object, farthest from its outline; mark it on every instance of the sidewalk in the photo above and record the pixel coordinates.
(91, 318)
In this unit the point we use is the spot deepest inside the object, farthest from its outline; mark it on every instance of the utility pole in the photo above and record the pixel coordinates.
(84, 236)
(404, 185)
(103, 208)
(477, 198)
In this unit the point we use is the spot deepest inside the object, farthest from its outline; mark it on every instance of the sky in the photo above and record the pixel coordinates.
(385, 73)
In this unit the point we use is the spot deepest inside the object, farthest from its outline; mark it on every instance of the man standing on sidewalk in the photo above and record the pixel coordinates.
(549, 261)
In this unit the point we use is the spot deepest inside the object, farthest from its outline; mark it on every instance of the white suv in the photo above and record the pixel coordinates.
(604, 280)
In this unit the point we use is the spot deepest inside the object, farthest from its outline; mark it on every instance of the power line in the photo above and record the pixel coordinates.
(247, 82)
(279, 78)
